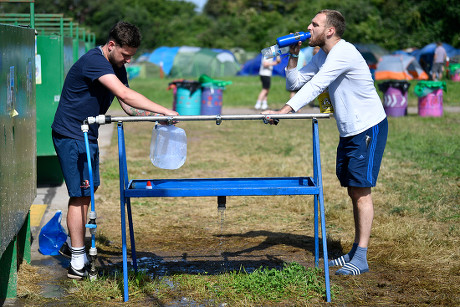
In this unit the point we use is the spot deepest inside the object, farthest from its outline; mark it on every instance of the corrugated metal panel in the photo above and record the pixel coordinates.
(17, 129)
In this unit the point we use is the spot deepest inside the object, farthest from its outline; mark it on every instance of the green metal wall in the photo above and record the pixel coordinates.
(50, 49)
(17, 129)
(48, 89)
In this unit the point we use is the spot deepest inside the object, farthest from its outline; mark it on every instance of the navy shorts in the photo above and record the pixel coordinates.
(266, 81)
(72, 157)
(359, 156)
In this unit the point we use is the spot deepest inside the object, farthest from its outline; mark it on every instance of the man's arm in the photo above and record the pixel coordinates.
(132, 98)
(133, 111)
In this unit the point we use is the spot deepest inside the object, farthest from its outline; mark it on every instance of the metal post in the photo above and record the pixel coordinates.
(319, 184)
(316, 204)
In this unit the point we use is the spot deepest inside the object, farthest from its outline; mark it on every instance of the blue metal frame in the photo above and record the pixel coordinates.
(222, 187)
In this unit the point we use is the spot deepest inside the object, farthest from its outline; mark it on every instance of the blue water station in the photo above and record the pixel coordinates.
(216, 187)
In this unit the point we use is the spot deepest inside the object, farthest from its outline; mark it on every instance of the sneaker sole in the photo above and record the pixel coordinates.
(72, 276)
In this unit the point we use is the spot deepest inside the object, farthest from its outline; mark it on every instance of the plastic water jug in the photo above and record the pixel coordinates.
(52, 236)
(168, 147)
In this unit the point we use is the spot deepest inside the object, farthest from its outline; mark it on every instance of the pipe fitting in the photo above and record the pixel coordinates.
(218, 120)
(92, 215)
(92, 251)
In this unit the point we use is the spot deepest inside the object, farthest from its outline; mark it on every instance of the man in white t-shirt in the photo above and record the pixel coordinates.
(360, 117)
(265, 73)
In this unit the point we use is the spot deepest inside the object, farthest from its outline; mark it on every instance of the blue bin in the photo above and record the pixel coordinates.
(188, 98)
(211, 99)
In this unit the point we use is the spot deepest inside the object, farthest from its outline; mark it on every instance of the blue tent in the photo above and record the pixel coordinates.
(425, 55)
(251, 67)
(164, 56)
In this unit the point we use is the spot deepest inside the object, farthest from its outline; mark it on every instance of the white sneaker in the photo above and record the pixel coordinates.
(257, 106)
(264, 105)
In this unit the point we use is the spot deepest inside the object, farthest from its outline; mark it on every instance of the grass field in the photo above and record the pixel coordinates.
(414, 249)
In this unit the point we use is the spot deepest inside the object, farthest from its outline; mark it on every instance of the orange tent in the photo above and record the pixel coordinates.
(399, 67)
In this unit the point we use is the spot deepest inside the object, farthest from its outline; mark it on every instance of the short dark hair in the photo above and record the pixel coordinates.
(336, 20)
(125, 34)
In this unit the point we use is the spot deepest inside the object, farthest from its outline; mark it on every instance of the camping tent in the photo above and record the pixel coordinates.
(181, 62)
(399, 67)
(372, 53)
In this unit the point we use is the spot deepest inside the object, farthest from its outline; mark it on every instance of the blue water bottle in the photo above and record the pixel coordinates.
(292, 39)
(283, 43)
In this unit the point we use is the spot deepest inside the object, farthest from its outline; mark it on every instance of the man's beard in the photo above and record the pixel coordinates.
(319, 41)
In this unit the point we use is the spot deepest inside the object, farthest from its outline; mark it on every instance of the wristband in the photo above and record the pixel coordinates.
(292, 55)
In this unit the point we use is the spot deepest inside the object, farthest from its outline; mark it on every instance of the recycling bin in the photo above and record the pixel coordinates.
(395, 97)
(430, 98)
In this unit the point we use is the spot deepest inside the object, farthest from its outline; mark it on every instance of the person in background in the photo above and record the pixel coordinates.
(360, 118)
(89, 88)
(265, 73)
(439, 60)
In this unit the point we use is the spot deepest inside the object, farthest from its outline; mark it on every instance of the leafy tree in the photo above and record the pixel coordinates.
(254, 24)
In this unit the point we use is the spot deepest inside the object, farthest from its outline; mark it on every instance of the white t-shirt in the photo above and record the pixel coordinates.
(265, 71)
(357, 106)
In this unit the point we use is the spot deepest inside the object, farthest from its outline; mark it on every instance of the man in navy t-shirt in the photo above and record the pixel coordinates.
(89, 88)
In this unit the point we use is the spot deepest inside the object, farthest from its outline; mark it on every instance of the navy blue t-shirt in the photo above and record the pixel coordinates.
(83, 95)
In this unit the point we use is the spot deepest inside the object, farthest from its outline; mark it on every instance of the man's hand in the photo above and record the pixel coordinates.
(295, 49)
(169, 113)
(284, 110)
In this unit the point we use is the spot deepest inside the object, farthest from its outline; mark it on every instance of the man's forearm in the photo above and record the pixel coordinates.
(132, 111)
(137, 101)
(136, 112)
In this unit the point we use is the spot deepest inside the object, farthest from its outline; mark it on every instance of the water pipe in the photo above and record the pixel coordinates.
(221, 202)
(107, 119)
(91, 225)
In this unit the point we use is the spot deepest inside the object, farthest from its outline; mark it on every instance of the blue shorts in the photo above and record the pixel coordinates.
(72, 157)
(359, 156)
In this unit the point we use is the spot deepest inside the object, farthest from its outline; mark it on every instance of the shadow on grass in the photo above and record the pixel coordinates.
(209, 263)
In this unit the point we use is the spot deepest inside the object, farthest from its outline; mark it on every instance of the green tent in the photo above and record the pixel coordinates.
(194, 62)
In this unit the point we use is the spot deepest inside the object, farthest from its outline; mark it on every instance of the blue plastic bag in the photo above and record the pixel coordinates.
(52, 236)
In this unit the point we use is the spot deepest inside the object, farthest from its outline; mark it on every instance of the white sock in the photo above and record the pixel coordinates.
(78, 257)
